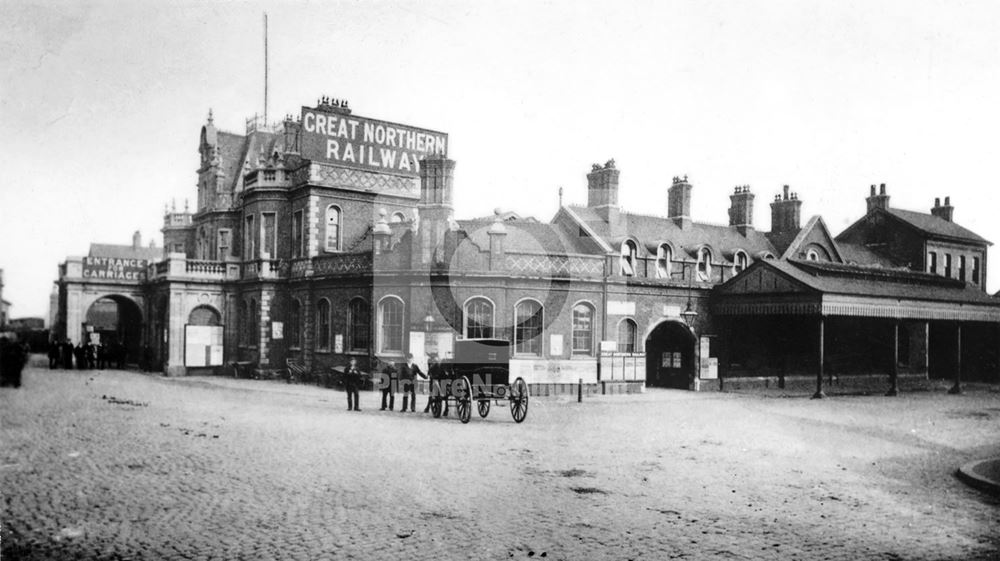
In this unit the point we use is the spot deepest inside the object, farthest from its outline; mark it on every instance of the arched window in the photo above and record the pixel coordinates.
(390, 321)
(740, 262)
(293, 327)
(528, 328)
(359, 322)
(628, 258)
(704, 264)
(397, 217)
(664, 256)
(812, 255)
(626, 336)
(323, 325)
(203, 315)
(583, 329)
(333, 216)
(478, 319)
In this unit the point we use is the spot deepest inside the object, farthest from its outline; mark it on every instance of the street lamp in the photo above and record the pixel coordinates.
(688, 315)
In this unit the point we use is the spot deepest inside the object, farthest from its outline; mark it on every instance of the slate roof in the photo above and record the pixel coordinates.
(936, 226)
(528, 235)
(125, 252)
(860, 254)
(857, 280)
(651, 231)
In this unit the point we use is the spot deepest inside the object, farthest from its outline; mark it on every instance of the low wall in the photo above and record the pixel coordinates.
(860, 383)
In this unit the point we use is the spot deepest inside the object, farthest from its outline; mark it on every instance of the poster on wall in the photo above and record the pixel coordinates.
(203, 345)
(338, 343)
(277, 330)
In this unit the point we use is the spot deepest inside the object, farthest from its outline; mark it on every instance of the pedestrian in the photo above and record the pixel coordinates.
(12, 360)
(436, 374)
(387, 381)
(352, 378)
(80, 354)
(91, 355)
(66, 352)
(407, 380)
(53, 354)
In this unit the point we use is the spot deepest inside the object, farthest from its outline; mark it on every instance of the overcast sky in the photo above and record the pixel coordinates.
(101, 105)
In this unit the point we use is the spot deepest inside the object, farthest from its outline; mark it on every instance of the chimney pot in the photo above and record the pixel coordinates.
(937, 202)
(786, 192)
(947, 201)
(873, 189)
(881, 189)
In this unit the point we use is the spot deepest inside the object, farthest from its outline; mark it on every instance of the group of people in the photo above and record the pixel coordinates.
(13, 357)
(86, 355)
(394, 376)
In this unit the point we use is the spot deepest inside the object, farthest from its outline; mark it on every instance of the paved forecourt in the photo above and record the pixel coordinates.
(114, 465)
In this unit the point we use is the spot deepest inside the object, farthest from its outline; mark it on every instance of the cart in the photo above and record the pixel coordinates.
(480, 373)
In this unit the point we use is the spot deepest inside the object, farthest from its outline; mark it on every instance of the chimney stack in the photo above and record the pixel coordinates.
(602, 189)
(785, 212)
(881, 200)
(679, 202)
(945, 211)
(741, 209)
(136, 240)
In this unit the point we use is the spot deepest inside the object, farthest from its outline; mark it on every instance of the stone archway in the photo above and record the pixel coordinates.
(670, 356)
(116, 321)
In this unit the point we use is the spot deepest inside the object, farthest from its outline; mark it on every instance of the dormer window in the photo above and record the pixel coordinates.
(704, 264)
(664, 255)
(812, 255)
(740, 262)
(628, 258)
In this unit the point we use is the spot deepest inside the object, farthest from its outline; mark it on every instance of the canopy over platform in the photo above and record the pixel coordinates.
(811, 288)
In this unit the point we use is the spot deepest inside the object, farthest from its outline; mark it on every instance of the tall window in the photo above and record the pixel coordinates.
(932, 262)
(663, 258)
(333, 228)
(359, 322)
(390, 321)
(323, 324)
(947, 265)
(269, 230)
(528, 328)
(740, 262)
(293, 328)
(628, 258)
(249, 239)
(224, 245)
(961, 268)
(478, 319)
(626, 336)
(583, 329)
(975, 270)
(704, 264)
(297, 238)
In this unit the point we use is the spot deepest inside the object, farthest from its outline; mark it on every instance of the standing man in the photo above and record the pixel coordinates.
(387, 381)
(352, 377)
(407, 380)
(436, 374)
(53, 354)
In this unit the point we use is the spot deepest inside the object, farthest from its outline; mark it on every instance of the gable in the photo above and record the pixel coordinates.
(814, 237)
(762, 280)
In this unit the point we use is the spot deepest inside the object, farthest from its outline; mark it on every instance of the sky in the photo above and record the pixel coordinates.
(101, 105)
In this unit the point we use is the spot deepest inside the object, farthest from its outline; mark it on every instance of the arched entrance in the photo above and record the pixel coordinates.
(116, 322)
(670, 359)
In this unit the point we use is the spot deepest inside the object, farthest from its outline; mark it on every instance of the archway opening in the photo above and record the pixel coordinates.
(670, 356)
(116, 323)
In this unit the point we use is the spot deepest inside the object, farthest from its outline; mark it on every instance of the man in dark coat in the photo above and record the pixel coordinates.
(53, 355)
(407, 383)
(12, 360)
(387, 383)
(436, 374)
(352, 379)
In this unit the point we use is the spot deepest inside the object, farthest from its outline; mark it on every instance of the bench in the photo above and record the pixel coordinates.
(297, 372)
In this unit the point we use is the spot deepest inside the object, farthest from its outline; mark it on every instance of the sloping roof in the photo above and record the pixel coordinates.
(653, 230)
(232, 149)
(856, 280)
(528, 236)
(125, 252)
(935, 226)
(803, 234)
(859, 254)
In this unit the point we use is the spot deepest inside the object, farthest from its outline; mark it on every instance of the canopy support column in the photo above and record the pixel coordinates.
(819, 366)
(957, 388)
(894, 366)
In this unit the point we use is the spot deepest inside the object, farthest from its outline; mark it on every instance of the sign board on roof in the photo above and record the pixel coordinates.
(114, 268)
(367, 144)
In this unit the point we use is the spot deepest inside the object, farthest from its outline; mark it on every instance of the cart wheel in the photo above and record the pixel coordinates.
(484, 407)
(463, 401)
(519, 400)
(436, 407)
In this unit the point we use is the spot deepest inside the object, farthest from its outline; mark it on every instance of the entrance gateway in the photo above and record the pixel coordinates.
(670, 356)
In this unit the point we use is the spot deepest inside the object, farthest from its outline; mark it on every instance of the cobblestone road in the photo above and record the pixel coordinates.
(116, 465)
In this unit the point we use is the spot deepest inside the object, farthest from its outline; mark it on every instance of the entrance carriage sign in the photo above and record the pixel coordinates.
(114, 268)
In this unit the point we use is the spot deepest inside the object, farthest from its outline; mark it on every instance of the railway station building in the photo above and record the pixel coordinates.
(330, 236)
